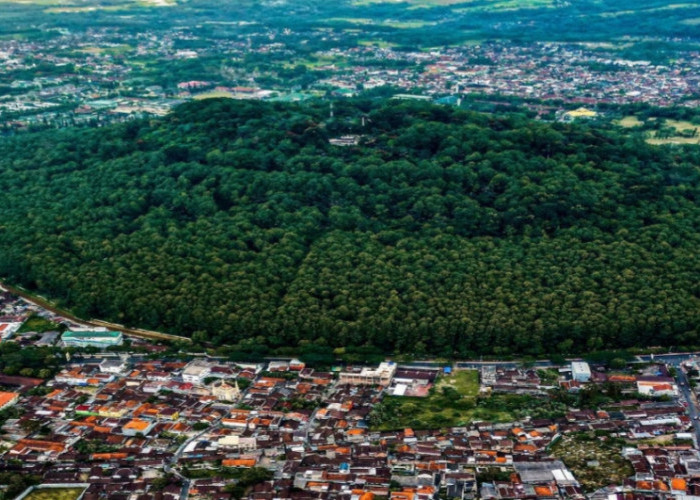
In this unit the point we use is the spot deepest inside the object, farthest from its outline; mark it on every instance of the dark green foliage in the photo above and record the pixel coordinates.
(15, 482)
(246, 479)
(448, 232)
(42, 362)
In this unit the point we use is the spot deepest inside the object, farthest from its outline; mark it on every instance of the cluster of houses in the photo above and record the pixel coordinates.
(541, 71)
(90, 85)
(127, 427)
(120, 421)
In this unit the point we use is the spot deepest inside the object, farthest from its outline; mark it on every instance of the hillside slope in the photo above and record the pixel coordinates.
(444, 232)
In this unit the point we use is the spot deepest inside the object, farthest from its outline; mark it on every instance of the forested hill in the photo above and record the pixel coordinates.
(443, 232)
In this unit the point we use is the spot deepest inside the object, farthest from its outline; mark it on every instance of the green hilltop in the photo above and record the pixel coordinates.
(444, 231)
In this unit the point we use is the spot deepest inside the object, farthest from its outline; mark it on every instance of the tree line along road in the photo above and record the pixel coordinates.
(134, 332)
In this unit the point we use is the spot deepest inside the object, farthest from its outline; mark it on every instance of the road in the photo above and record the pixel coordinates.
(687, 394)
(134, 332)
(168, 465)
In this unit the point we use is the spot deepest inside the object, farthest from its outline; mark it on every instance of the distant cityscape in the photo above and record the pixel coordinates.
(88, 77)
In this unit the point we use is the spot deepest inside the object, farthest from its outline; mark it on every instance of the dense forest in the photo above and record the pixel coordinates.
(444, 231)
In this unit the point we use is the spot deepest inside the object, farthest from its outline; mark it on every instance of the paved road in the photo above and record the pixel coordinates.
(135, 332)
(689, 397)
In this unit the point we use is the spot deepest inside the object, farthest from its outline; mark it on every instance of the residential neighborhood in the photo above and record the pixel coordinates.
(105, 78)
(124, 425)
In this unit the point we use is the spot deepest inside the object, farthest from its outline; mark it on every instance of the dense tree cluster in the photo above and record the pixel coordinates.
(444, 231)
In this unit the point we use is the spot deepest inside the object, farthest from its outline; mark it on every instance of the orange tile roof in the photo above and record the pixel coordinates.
(7, 397)
(678, 483)
(543, 491)
(660, 485)
(82, 423)
(644, 485)
(137, 425)
(40, 445)
(238, 462)
(109, 456)
(402, 495)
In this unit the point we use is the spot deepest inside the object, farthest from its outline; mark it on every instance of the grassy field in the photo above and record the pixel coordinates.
(455, 401)
(393, 23)
(115, 50)
(417, 3)
(466, 382)
(452, 402)
(508, 5)
(55, 494)
(37, 324)
(377, 43)
(73, 6)
(629, 122)
(681, 128)
(595, 463)
(213, 95)
(673, 140)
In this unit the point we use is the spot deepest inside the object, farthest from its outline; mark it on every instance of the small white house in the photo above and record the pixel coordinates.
(580, 371)
(115, 366)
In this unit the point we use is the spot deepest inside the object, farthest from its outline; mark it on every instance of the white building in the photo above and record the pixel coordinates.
(580, 371)
(115, 366)
(382, 375)
(8, 329)
(225, 392)
(196, 371)
(238, 443)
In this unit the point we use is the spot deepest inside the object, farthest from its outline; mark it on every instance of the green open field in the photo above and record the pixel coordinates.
(466, 382)
(681, 127)
(505, 5)
(629, 122)
(673, 140)
(377, 43)
(114, 50)
(37, 324)
(55, 494)
(213, 94)
(451, 402)
(594, 462)
(417, 3)
(393, 23)
(73, 6)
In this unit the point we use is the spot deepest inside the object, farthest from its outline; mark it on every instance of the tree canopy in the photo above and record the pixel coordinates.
(443, 232)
